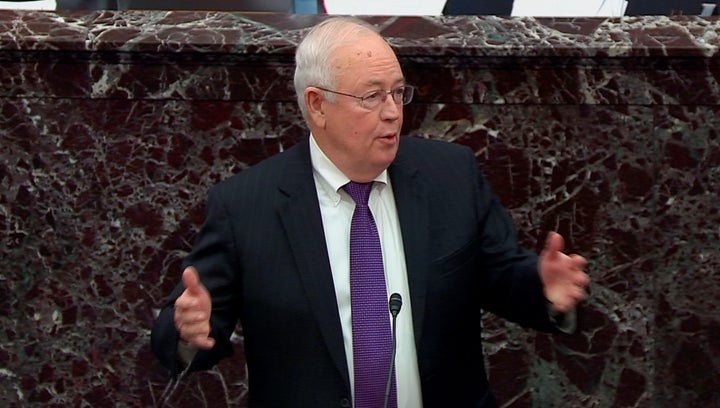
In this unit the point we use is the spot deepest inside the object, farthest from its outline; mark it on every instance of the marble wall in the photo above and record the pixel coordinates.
(114, 124)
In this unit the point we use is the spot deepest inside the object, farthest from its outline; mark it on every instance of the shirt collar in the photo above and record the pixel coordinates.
(327, 171)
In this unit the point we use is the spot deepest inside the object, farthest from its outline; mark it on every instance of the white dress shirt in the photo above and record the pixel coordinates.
(337, 208)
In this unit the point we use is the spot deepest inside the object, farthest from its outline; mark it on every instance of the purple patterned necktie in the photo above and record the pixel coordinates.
(372, 337)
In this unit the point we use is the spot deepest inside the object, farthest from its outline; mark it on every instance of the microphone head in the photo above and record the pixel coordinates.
(395, 303)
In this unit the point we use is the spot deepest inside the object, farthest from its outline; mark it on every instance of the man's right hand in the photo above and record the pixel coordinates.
(192, 311)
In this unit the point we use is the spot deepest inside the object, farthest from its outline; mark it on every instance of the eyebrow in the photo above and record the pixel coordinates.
(378, 84)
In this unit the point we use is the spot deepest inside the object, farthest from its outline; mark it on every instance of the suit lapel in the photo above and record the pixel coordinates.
(301, 218)
(412, 205)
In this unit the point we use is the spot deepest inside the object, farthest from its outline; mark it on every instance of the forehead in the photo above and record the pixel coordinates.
(368, 57)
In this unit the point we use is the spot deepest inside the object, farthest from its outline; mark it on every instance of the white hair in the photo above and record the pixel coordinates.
(313, 54)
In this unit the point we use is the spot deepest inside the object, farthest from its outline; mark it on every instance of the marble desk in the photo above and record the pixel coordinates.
(114, 124)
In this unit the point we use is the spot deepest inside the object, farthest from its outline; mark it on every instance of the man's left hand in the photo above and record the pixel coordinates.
(563, 277)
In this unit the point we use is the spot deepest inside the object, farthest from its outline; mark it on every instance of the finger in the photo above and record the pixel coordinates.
(188, 302)
(554, 244)
(194, 331)
(568, 297)
(184, 303)
(561, 307)
(582, 280)
(203, 342)
(578, 294)
(191, 279)
(189, 316)
(568, 303)
(197, 335)
(579, 261)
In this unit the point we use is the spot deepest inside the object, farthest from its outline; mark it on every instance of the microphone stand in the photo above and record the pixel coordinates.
(395, 304)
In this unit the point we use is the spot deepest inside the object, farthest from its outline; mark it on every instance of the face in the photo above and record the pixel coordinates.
(361, 142)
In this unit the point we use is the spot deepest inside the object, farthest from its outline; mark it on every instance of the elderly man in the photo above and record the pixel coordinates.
(305, 248)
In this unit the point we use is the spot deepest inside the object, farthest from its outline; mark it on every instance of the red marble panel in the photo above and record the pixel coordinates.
(114, 124)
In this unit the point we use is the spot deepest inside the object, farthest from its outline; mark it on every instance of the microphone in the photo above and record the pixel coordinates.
(395, 303)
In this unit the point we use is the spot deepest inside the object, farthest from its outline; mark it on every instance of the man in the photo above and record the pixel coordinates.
(274, 251)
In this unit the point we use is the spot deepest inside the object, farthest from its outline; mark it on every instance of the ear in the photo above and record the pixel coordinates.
(314, 100)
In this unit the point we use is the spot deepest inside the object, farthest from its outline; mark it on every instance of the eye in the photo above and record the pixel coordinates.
(373, 96)
(398, 93)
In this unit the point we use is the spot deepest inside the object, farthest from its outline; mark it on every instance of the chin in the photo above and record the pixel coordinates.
(386, 162)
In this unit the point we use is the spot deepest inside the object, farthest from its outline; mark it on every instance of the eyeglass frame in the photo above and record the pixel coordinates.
(384, 93)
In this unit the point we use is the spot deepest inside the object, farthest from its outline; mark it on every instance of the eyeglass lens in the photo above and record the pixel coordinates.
(402, 95)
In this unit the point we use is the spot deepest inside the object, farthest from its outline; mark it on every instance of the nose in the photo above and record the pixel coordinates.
(390, 110)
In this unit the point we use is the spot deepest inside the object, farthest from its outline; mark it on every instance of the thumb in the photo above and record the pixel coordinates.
(191, 280)
(554, 244)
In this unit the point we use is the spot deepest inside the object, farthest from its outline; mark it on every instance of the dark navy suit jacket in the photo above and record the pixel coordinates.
(262, 255)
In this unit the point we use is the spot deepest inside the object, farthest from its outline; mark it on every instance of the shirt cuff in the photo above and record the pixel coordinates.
(186, 352)
(564, 322)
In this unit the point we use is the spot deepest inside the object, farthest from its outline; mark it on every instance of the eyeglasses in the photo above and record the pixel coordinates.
(373, 99)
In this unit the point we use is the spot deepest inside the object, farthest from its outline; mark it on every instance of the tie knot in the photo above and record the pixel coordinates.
(360, 192)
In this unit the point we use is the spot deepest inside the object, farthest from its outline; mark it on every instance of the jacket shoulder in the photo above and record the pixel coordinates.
(419, 145)
(434, 154)
(273, 169)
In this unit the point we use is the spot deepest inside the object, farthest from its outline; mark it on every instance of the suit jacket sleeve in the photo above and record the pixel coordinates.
(510, 285)
(212, 256)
